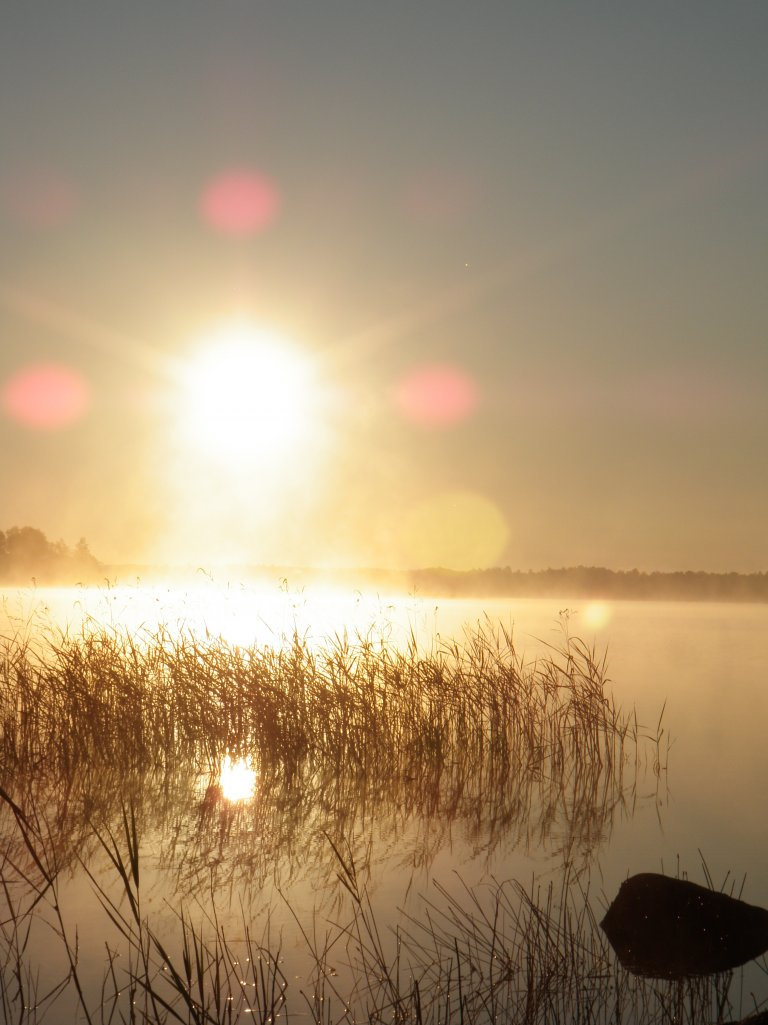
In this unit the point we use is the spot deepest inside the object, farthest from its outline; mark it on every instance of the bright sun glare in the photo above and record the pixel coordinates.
(247, 394)
(238, 779)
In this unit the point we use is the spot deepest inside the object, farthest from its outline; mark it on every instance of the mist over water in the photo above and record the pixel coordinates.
(692, 674)
(704, 664)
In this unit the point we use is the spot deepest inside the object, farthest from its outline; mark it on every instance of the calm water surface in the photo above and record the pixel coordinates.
(705, 665)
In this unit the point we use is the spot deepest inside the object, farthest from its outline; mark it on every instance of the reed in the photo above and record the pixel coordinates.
(463, 730)
(531, 955)
(106, 738)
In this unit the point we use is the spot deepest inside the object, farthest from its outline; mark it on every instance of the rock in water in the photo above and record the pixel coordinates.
(669, 928)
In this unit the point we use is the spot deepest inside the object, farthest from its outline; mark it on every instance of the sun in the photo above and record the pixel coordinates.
(247, 394)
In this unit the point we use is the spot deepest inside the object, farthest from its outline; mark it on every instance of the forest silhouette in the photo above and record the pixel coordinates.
(593, 582)
(27, 557)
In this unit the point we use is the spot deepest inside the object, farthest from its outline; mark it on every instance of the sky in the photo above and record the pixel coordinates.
(387, 284)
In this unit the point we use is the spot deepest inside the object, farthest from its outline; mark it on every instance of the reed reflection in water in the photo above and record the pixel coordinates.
(329, 741)
(358, 747)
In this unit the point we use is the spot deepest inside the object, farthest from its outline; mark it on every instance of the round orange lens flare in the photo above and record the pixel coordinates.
(45, 397)
(597, 614)
(436, 396)
(237, 779)
(240, 203)
(454, 530)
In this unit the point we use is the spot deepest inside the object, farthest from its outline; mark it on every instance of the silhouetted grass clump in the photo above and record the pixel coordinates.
(106, 737)
(107, 695)
(466, 730)
(533, 956)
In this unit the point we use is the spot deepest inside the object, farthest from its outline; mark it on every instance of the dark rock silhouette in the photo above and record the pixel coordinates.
(669, 928)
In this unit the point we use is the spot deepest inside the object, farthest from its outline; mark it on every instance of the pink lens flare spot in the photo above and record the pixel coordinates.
(39, 200)
(436, 396)
(439, 197)
(240, 203)
(45, 397)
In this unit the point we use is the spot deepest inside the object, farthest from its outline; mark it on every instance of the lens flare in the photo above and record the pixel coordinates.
(454, 530)
(240, 203)
(436, 396)
(238, 779)
(39, 200)
(597, 614)
(45, 397)
(439, 196)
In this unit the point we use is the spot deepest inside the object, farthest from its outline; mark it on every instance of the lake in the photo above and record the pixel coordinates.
(694, 674)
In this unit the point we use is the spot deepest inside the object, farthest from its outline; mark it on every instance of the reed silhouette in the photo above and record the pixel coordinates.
(110, 746)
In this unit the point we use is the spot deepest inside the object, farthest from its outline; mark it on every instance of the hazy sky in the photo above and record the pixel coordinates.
(517, 253)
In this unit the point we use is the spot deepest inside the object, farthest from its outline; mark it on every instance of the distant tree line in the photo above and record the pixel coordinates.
(593, 582)
(27, 556)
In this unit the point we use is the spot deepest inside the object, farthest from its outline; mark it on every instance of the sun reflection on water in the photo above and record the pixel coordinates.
(237, 779)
